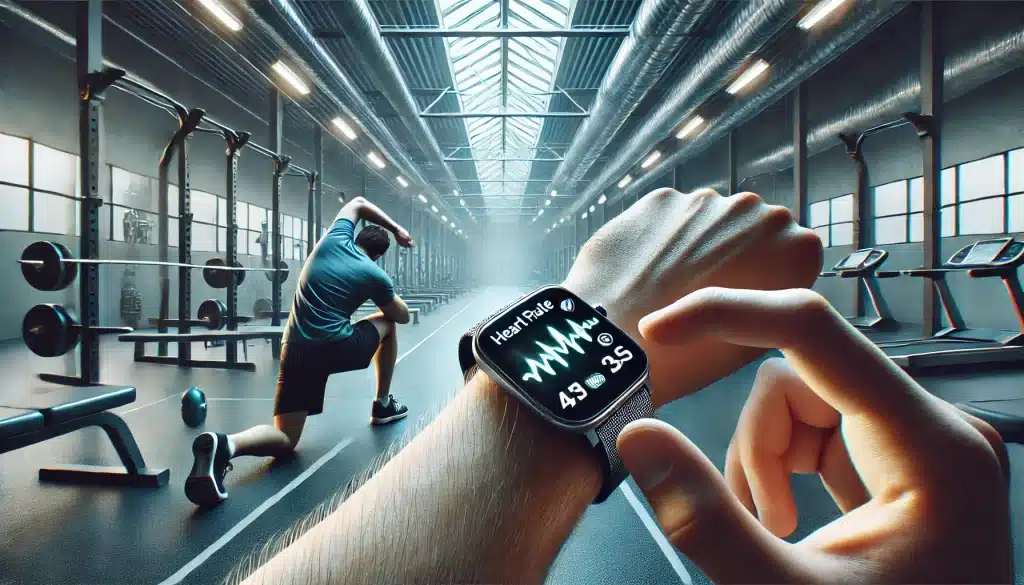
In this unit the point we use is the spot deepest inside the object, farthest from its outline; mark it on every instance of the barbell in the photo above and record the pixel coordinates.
(53, 330)
(51, 266)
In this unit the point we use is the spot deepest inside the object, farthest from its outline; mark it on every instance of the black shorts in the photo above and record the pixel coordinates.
(302, 376)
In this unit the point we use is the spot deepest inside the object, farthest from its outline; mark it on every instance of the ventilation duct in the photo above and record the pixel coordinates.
(786, 75)
(660, 30)
(720, 59)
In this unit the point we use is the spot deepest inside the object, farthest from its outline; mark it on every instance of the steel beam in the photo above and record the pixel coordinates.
(801, 209)
(495, 32)
(504, 114)
(932, 66)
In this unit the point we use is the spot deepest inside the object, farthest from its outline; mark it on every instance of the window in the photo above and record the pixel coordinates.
(899, 216)
(1016, 178)
(55, 214)
(55, 185)
(14, 193)
(832, 220)
(980, 203)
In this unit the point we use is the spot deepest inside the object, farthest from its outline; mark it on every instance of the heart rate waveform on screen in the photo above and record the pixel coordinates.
(561, 344)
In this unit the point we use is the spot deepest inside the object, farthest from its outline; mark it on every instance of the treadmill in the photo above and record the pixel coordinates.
(957, 344)
(863, 265)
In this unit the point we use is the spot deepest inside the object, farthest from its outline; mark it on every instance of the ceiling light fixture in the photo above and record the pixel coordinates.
(650, 160)
(402, 182)
(554, 193)
(591, 209)
(462, 202)
(601, 199)
(344, 128)
(584, 216)
(690, 126)
(540, 212)
(288, 75)
(749, 75)
(433, 208)
(376, 160)
(625, 181)
(443, 218)
(222, 14)
(453, 225)
(547, 202)
(422, 198)
(818, 13)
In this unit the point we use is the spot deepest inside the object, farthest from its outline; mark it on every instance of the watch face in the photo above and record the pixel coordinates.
(561, 353)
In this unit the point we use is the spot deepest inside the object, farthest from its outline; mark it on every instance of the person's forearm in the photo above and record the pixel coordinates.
(371, 212)
(487, 493)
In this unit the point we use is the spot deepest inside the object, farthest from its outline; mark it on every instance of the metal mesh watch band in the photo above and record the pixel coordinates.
(638, 406)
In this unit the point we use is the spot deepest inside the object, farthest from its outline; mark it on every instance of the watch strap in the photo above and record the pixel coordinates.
(638, 406)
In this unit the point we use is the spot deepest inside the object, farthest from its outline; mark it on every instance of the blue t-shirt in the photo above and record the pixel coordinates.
(336, 279)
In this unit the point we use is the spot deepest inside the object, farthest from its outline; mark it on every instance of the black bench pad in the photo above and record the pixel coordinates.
(15, 421)
(59, 404)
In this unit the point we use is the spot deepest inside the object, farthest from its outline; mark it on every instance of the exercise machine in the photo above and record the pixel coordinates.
(991, 258)
(863, 265)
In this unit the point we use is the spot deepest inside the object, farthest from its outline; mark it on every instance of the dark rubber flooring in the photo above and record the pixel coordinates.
(83, 535)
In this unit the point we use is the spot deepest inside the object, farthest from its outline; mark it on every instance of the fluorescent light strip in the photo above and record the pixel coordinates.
(540, 212)
(460, 232)
(222, 14)
(453, 225)
(443, 218)
(818, 13)
(748, 76)
(591, 209)
(650, 160)
(402, 181)
(690, 126)
(584, 216)
(288, 75)
(554, 193)
(625, 181)
(433, 208)
(376, 160)
(345, 128)
(422, 198)
(547, 202)
(602, 199)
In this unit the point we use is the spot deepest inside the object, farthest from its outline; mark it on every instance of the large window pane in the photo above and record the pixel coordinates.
(891, 198)
(916, 188)
(204, 238)
(222, 211)
(54, 170)
(981, 217)
(1016, 170)
(286, 226)
(257, 215)
(172, 199)
(916, 227)
(842, 209)
(982, 178)
(891, 230)
(947, 186)
(819, 213)
(241, 214)
(204, 208)
(1016, 213)
(131, 225)
(13, 159)
(242, 242)
(172, 233)
(842, 234)
(823, 234)
(55, 214)
(947, 219)
(297, 231)
(14, 202)
(222, 239)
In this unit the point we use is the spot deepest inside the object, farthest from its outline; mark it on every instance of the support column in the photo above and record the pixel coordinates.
(801, 205)
(317, 194)
(734, 185)
(932, 65)
(280, 165)
(89, 63)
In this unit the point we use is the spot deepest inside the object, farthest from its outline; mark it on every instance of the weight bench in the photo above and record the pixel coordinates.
(437, 298)
(141, 338)
(50, 412)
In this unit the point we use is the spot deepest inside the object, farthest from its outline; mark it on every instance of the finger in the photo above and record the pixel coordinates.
(845, 369)
(697, 511)
(839, 476)
(736, 477)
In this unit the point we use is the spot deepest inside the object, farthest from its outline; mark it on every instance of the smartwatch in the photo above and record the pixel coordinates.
(566, 361)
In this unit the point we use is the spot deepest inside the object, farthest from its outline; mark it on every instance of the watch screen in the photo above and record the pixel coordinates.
(563, 354)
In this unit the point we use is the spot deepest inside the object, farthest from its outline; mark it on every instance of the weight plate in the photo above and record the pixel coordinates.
(49, 330)
(53, 273)
(240, 275)
(216, 278)
(261, 308)
(283, 266)
(212, 312)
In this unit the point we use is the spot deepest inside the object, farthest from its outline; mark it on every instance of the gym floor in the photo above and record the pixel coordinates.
(78, 535)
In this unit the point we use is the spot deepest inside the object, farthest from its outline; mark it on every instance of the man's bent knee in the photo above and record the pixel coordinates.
(291, 425)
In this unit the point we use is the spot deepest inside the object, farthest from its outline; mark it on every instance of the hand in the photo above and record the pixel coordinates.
(404, 239)
(922, 485)
(669, 244)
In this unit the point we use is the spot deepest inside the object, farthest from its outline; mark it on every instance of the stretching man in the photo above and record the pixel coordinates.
(319, 340)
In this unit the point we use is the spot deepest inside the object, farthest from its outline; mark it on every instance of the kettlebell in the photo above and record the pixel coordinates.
(193, 407)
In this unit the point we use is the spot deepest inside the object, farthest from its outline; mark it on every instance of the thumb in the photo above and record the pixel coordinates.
(696, 510)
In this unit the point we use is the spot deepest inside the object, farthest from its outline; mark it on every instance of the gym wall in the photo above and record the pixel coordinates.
(986, 121)
(39, 102)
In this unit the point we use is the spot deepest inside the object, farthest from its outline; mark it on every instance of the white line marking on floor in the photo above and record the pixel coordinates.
(164, 399)
(659, 537)
(235, 399)
(238, 528)
(201, 558)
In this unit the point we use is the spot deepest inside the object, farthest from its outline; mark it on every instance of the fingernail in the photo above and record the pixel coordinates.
(648, 467)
